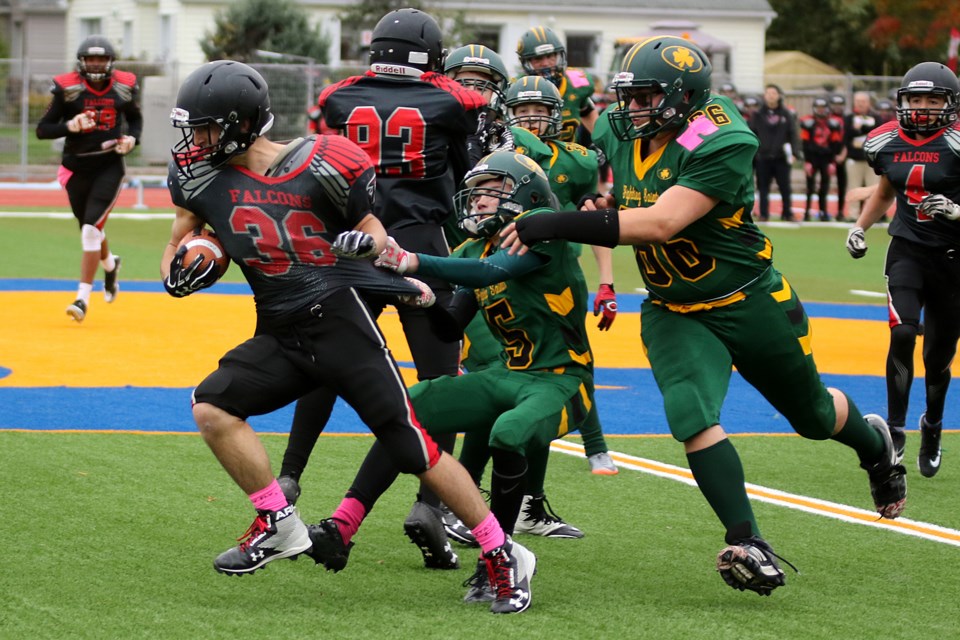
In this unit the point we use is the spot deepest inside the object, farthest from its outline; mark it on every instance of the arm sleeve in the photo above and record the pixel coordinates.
(473, 273)
(134, 116)
(448, 322)
(52, 124)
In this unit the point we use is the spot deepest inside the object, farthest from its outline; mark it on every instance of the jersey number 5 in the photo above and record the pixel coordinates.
(396, 146)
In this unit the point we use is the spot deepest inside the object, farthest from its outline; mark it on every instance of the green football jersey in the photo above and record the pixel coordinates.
(711, 260)
(572, 168)
(538, 318)
(575, 88)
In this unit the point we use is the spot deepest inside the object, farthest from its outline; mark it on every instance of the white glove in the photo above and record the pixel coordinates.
(393, 257)
(125, 145)
(354, 244)
(856, 243)
(426, 297)
(83, 121)
(937, 204)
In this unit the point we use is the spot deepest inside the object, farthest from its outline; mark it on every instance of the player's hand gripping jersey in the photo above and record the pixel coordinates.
(915, 169)
(700, 264)
(279, 228)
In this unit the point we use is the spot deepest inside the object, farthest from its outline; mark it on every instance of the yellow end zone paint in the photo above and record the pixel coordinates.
(146, 340)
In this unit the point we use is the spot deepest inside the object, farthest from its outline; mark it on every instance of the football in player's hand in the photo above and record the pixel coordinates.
(201, 241)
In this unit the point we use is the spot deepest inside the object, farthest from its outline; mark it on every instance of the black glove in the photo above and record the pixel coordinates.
(495, 136)
(354, 244)
(182, 281)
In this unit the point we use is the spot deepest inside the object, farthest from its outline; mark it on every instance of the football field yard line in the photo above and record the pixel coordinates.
(815, 506)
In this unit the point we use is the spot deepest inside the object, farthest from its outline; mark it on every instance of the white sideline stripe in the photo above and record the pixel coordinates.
(815, 506)
(63, 216)
(868, 294)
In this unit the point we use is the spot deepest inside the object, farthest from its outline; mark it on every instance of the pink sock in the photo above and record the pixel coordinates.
(488, 533)
(270, 498)
(349, 515)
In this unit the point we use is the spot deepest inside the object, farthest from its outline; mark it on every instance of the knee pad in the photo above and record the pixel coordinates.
(903, 336)
(90, 237)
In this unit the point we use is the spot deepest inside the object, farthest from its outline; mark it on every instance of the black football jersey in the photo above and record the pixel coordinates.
(916, 168)
(415, 132)
(115, 109)
(279, 228)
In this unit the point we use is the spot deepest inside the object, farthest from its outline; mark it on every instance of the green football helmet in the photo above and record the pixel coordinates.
(521, 185)
(481, 59)
(542, 41)
(535, 90)
(663, 65)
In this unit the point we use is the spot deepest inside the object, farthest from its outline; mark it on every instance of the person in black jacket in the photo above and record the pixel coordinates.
(776, 128)
(856, 125)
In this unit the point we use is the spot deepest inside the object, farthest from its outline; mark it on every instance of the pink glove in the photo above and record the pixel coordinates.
(606, 302)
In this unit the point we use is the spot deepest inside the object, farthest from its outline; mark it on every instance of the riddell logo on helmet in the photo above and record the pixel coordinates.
(395, 69)
(682, 58)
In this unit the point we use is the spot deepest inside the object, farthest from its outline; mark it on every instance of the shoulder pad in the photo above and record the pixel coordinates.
(125, 77)
(468, 98)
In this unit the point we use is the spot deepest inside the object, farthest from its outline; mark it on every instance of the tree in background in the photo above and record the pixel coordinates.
(275, 25)
(913, 31)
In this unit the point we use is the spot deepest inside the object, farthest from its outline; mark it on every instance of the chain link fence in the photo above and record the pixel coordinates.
(25, 87)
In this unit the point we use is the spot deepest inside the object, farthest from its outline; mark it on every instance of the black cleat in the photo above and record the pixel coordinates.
(478, 585)
(928, 459)
(110, 285)
(77, 310)
(888, 478)
(510, 568)
(455, 529)
(424, 527)
(538, 519)
(749, 563)
(290, 488)
(273, 535)
(328, 548)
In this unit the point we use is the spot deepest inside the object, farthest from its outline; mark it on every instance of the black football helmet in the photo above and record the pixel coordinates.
(230, 98)
(928, 78)
(821, 107)
(668, 65)
(95, 46)
(406, 42)
(521, 186)
(542, 41)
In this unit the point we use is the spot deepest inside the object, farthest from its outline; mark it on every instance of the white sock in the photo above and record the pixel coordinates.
(83, 291)
(109, 263)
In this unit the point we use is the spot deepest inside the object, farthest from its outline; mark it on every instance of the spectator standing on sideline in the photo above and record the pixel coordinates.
(683, 192)
(413, 122)
(856, 125)
(838, 107)
(97, 108)
(922, 268)
(542, 53)
(821, 135)
(885, 112)
(776, 129)
(305, 253)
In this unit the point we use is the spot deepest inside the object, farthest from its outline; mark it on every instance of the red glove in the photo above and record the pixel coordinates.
(606, 301)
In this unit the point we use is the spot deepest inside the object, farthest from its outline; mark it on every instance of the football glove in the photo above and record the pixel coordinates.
(606, 303)
(354, 244)
(426, 297)
(182, 281)
(496, 136)
(393, 257)
(937, 204)
(856, 243)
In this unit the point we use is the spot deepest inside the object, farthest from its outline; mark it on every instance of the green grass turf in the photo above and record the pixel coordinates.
(112, 536)
(813, 258)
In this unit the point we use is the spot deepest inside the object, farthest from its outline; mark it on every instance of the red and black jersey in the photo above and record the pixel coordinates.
(115, 108)
(821, 136)
(415, 131)
(916, 168)
(279, 228)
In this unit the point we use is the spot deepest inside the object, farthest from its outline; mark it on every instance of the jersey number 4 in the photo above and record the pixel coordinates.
(914, 190)
(396, 145)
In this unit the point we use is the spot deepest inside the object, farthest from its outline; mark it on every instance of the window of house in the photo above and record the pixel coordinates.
(488, 36)
(581, 50)
(90, 27)
(166, 37)
(127, 43)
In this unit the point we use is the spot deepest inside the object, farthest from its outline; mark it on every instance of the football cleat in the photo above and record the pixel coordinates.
(510, 568)
(602, 464)
(273, 535)
(110, 285)
(478, 585)
(538, 519)
(290, 488)
(455, 529)
(928, 459)
(328, 548)
(749, 563)
(77, 310)
(424, 527)
(888, 478)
